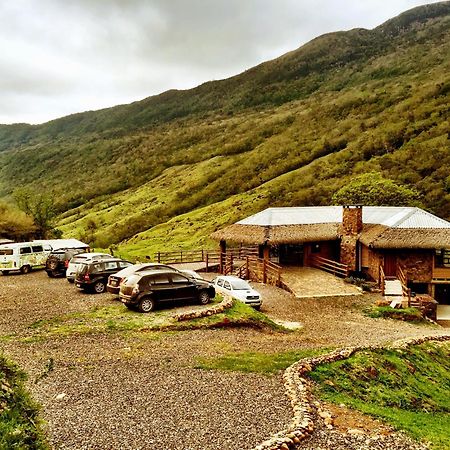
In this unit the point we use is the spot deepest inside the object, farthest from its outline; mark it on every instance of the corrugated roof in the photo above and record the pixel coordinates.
(389, 216)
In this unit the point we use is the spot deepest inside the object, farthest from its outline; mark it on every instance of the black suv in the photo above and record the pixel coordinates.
(144, 290)
(93, 276)
(58, 260)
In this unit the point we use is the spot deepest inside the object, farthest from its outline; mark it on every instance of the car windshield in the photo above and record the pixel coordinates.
(240, 285)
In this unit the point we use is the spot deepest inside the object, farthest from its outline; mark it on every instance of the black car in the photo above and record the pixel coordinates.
(58, 260)
(144, 290)
(93, 276)
(114, 281)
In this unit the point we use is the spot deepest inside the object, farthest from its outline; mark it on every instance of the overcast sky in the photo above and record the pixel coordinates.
(59, 57)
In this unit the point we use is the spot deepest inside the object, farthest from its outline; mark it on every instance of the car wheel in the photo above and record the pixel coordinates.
(147, 305)
(25, 269)
(99, 287)
(204, 298)
(51, 274)
(70, 280)
(5, 272)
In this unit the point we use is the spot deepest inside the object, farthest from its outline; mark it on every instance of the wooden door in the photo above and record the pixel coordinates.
(390, 264)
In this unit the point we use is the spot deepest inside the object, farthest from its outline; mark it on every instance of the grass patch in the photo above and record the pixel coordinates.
(117, 318)
(256, 362)
(20, 426)
(407, 388)
(405, 314)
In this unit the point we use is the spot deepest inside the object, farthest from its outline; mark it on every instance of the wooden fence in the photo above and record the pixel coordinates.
(328, 265)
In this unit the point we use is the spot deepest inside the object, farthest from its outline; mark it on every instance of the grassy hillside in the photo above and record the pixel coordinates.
(408, 388)
(169, 169)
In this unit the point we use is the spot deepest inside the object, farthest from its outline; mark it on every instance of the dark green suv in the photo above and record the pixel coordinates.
(145, 290)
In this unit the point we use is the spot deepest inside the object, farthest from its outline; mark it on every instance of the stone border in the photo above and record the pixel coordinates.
(298, 391)
(226, 303)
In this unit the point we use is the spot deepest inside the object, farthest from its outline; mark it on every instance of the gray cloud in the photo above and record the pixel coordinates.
(62, 57)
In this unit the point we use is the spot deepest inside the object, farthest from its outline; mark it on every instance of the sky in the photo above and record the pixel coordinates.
(60, 57)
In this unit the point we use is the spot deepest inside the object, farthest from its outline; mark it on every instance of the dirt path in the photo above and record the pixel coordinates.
(141, 390)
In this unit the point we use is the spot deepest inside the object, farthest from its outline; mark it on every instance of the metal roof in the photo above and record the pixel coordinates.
(389, 216)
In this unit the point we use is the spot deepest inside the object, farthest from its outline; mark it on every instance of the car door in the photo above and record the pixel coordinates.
(161, 287)
(183, 288)
(110, 267)
(227, 288)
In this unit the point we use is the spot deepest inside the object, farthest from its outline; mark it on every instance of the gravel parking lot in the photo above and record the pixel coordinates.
(133, 390)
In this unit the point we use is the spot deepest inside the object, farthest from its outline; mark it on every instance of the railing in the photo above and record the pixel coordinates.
(404, 281)
(328, 265)
(187, 256)
(382, 280)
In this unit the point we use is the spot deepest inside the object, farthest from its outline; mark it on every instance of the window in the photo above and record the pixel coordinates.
(176, 278)
(25, 250)
(227, 285)
(123, 264)
(37, 248)
(443, 257)
(160, 279)
(7, 251)
(220, 282)
(110, 265)
(315, 248)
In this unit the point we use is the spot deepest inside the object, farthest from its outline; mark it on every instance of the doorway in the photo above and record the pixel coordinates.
(291, 254)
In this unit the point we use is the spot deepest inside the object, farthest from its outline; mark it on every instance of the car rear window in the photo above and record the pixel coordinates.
(78, 259)
(58, 255)
(6, 251)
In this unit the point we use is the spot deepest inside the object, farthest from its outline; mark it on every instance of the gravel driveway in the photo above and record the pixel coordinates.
(141, 390)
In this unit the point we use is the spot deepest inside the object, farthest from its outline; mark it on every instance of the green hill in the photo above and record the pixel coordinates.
(168, 170)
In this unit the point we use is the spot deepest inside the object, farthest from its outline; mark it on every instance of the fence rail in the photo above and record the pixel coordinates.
(329, 265)
(404, 281)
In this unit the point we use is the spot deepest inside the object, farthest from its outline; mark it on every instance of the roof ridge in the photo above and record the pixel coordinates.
(406, 217)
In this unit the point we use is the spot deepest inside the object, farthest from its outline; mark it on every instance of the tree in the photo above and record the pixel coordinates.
(15, 224)
(371, 189)
(40, 207)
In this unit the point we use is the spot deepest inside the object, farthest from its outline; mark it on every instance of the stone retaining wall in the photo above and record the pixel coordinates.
(298, 391)
(226, 303)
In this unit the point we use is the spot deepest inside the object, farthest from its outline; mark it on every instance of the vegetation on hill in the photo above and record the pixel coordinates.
(20, 426)
(292, 131)
(408, 388)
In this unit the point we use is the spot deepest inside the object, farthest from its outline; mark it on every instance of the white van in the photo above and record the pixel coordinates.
(23, 256)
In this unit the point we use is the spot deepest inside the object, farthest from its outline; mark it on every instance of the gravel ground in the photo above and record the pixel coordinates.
(141, 390)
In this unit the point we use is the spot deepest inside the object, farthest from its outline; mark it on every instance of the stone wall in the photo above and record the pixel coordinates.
(418, 264)
(298, 392)
(226, 303)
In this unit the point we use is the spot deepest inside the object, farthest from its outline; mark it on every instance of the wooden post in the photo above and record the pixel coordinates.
(247, 269)
(264, 271)
(207, 262)
(223, 250)
(159, 257)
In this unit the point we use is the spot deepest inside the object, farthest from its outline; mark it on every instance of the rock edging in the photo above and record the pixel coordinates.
(298, 391)
(226, 303)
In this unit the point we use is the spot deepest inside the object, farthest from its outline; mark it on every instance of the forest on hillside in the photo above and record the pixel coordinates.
(289, 132)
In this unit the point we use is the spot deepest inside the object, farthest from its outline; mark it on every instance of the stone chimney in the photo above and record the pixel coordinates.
(351, 226)
(351, 219)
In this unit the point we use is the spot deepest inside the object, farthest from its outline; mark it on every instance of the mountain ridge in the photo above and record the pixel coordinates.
(292, 131)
